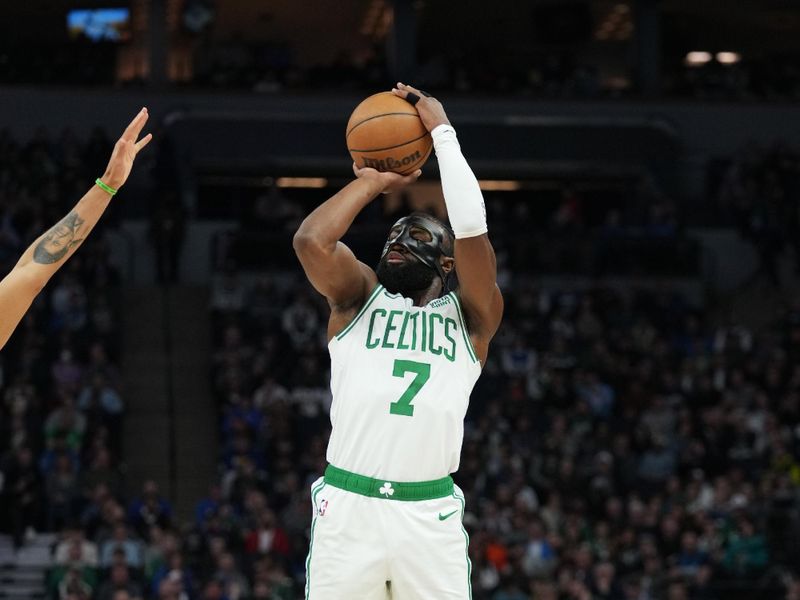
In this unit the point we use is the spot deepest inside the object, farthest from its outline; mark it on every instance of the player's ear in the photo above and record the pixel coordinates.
(448, 263)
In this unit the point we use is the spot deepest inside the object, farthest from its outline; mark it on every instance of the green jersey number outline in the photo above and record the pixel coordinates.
(423, 373)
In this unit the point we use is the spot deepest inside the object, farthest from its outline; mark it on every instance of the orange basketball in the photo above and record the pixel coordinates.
(385, 133)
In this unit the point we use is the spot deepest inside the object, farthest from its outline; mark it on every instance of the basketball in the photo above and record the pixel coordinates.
(385, 133)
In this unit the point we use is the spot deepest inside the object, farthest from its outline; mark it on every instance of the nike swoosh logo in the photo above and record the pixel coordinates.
(448, 515)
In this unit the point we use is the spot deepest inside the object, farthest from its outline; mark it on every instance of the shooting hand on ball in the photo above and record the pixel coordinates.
(389, 180)
(430, 110)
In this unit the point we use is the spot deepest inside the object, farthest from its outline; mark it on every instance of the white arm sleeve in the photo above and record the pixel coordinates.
(462, 194)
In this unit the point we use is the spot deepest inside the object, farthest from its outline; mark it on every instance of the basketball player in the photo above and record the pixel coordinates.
(406, 349)
(46, 255)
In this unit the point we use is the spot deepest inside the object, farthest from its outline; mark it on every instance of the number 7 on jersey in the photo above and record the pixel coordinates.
(422, 374)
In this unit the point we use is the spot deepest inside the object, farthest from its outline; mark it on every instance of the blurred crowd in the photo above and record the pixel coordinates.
(61, 411)
(759, 187)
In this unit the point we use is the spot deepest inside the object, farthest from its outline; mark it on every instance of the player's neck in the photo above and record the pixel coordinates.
(422, 297)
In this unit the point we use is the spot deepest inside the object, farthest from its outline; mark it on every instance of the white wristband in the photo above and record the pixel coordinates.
(462, 194)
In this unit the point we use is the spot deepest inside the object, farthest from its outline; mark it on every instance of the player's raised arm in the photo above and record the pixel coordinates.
(330, 265)
(46, 255)
(475, 262)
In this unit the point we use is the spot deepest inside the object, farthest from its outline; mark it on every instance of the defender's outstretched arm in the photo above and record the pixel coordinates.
(52, 249)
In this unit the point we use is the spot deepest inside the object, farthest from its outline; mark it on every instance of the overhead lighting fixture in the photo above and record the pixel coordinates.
(302, 182)
(697, 58)
(499, 185)
(728, 58)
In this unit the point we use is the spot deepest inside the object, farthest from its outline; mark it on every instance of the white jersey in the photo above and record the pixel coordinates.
(401, 376)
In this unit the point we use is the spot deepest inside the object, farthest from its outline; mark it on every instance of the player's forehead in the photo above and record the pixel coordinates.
(416, 221)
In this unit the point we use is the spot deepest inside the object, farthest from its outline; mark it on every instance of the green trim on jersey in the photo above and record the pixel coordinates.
(388, 490)
(374, 294)
(467, 339)
(314, 493)
(466, 537)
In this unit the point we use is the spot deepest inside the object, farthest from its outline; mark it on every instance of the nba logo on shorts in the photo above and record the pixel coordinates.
(323, 506)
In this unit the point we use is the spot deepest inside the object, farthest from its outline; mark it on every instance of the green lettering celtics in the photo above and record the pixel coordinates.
(412, 330)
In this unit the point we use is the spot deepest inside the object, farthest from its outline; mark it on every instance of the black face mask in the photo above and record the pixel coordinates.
(414, 276)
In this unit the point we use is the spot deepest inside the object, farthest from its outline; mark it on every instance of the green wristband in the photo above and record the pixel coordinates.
(104, 187)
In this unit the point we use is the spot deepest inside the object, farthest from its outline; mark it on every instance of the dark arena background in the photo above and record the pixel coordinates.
(635, 434)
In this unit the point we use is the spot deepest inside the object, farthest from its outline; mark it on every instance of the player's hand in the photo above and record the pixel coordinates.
(389, 181)
(125, 151)
(430, 110)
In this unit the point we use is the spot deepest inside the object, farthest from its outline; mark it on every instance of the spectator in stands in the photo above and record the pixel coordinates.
(234, 583)
(73, 561)
(99, 361)
(75, 548)
(173, 578)
(100, 396)
(73, 587)
(24, 488)
(61, 487)
(121, 539)
(266, 537)
(149, 510)
(119, 580)
(746, 553)
(209, 505)
(67, 374)
(66, 421)
(101, 471)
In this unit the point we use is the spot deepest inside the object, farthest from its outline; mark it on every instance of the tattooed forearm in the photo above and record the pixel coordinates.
(57, 242)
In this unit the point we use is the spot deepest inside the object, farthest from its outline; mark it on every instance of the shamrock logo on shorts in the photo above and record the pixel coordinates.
(386, 489)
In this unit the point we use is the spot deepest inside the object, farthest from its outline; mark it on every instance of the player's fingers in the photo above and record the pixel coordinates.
(135, 126)
(414, 176)
(399, 92)
(130, 131)
(410, 93)
(412, 89)
(356, 170)
(144, 141)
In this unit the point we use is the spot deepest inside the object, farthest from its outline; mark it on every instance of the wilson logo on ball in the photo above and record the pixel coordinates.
(391, 164)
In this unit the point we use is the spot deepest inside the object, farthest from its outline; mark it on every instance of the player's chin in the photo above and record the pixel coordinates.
(390, 273)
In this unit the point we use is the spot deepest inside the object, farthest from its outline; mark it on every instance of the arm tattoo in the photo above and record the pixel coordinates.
(59, 240)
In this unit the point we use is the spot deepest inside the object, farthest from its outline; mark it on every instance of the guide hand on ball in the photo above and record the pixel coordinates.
(390, 181)
(430, 110)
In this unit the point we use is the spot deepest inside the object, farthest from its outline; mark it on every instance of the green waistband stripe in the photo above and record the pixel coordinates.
(370, 300)
(388, 490)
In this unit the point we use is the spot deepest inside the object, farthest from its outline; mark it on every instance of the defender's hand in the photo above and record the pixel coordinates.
(125, 151)
(430, 110)
(389, 181)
